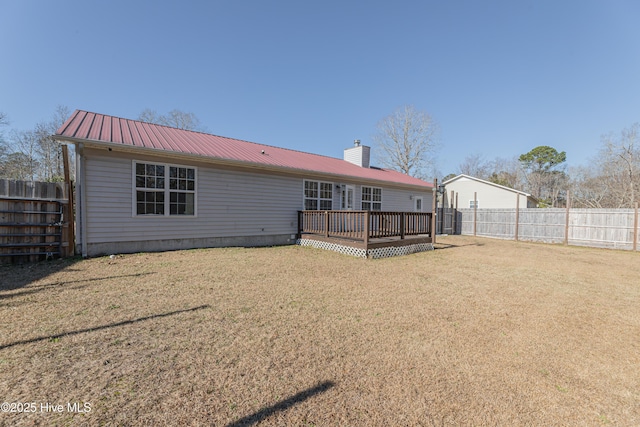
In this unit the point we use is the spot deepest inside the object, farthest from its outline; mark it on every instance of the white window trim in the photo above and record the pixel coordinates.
(415, 204)
(477, 204)
(167, 190)
(304, 197)
(370, 201)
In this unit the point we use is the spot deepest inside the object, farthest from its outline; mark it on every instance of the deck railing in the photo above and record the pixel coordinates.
(364, 225)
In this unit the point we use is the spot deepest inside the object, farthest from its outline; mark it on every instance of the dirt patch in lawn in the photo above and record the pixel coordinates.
(477, 332)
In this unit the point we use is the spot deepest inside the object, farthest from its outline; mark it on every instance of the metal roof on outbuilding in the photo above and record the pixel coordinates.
(84, 126)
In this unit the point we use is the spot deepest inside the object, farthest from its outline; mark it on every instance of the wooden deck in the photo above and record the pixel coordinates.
(367, 232)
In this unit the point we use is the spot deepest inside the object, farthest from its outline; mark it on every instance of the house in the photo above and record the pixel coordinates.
(145, 187)
(487, 195)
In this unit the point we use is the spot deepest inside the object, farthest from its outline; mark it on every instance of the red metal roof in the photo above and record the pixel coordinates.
(99, 128)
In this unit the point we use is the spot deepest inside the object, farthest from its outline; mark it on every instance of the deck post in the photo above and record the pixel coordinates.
(326, 224)
(300, 224)
(367, 215)
(402, 222)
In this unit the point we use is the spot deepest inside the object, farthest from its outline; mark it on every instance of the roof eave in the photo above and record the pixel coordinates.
(234, 163)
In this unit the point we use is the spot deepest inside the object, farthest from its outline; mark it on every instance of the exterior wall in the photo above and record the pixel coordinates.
(489, 196)
(233, 207)
(229, 204)
(393, 199)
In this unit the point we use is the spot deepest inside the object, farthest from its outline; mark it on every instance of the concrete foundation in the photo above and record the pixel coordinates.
(108, 248)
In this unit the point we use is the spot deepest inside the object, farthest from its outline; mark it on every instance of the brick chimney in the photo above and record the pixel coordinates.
(358, 154)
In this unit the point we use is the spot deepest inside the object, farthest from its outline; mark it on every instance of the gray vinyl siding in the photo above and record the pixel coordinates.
(228, 203)
(401, 200)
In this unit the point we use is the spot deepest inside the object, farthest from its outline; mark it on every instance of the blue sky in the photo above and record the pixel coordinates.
(500, 77)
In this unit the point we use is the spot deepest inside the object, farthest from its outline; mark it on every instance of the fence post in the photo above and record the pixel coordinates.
(475, 211)
(70, 219)
(455, 212)
(635, 228)
(434, 211)
(566, 220)
(517, 213)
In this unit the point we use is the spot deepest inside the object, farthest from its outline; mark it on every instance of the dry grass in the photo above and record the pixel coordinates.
(480, 332)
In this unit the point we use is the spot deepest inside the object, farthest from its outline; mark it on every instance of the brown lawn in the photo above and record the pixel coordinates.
(478, 332)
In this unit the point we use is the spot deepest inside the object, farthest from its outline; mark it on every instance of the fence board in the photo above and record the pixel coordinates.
(32, 224)
(603, 228)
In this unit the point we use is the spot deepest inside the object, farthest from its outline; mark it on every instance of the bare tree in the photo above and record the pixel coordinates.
(49, 151)
(33, 154)
(174, 118)
(475, 165)
(4, 147)
(508, 172)
(612, 179)
(406, 141)
(23, 163)
(588, 189)
(620, 166)
(4, 120)
(501, 171)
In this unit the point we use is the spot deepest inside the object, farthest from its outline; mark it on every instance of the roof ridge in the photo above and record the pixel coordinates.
(211, 134)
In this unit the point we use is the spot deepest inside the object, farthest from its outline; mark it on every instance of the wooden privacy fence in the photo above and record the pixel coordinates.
(35, 221)
(364, 225)
(603, 228)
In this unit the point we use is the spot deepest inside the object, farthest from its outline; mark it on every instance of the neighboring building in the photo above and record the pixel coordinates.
(488, 194)
(146, 187)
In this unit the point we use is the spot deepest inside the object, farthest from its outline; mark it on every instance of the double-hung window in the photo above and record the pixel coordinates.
(371, 199)
(318, 196)
(163, 189)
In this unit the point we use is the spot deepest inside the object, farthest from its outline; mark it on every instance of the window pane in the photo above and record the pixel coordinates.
(152, 177)
(325, 205)
(190, 205)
